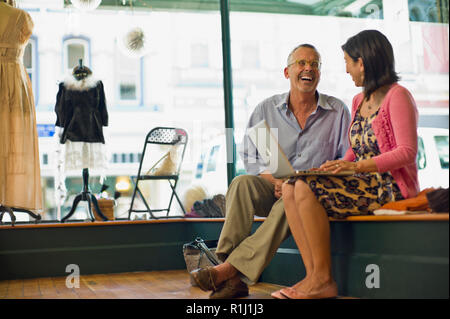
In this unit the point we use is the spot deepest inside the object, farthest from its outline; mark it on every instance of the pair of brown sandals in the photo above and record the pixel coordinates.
(232, 288)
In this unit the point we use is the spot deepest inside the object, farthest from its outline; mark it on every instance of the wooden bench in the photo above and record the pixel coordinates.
(409, 252)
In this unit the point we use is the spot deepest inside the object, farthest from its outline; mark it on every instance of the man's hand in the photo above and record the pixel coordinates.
(277, 183)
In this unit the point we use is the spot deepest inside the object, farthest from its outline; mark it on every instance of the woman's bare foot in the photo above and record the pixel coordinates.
(302, 283)
(278, 294)
(312, 290)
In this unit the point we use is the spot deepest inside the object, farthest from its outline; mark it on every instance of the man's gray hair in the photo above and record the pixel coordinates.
(303, 45)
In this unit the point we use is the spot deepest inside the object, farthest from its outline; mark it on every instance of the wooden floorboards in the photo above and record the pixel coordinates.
(171, 284)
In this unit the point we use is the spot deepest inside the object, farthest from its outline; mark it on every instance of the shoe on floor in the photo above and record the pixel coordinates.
(231, 288)
(204, 278)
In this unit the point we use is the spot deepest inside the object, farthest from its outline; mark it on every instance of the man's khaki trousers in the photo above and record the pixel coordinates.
(246, 197)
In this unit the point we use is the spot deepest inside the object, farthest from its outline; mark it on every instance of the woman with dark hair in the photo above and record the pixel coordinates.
(383, 139)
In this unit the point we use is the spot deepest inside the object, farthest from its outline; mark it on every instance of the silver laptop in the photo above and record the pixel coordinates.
(265, 140)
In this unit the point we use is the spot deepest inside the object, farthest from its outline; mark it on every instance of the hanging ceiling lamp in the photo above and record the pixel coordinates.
(86, 5)
(134, 42)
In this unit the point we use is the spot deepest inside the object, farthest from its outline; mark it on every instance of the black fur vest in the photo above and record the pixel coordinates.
(81, 110)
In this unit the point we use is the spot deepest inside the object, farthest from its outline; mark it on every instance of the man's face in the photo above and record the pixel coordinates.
(303, 70)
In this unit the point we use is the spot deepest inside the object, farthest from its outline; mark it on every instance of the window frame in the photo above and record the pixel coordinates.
(34, 70)
(139, 77)
(70, 39)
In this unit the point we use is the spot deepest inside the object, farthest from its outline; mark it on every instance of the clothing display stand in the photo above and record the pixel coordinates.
(11, 210)
(80, 73)
(85, 195)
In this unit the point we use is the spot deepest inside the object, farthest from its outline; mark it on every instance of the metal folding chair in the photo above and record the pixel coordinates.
(160, 136)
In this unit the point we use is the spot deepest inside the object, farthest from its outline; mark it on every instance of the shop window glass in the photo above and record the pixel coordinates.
(128, 78)
(199, 55)
(421, 157)
(30, 63)
(182, 74)
(442, 148)
(250, 56)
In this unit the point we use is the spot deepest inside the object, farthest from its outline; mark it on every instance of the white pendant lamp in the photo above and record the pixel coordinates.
(134, 42)
(86, 5)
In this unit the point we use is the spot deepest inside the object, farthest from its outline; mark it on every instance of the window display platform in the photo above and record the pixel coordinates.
(409, 252)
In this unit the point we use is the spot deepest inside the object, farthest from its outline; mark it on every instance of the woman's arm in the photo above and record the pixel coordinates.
(349, 155)
(403, 117)
(336, 166)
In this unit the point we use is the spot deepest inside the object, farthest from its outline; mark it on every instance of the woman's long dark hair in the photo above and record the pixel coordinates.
(377, 55)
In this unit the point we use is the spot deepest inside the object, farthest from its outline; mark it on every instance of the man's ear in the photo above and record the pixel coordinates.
(286, 73)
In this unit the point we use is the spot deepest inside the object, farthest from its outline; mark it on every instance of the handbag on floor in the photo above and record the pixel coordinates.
(438, 200)
(200, 254)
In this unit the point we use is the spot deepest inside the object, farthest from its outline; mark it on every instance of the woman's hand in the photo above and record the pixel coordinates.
(363, 166)
(337, 166)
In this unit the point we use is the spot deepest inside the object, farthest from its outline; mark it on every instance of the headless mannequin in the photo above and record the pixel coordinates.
(81, 72)
(7, 209)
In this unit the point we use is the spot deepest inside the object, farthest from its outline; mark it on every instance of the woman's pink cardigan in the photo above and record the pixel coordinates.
(395, 129)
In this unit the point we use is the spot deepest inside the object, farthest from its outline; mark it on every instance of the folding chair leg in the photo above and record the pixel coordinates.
(174, 193)
(171, 199)
(145, 203)
(132, 199)
(179, 202)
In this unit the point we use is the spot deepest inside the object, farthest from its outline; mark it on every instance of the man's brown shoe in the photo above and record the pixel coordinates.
(204, 278)
(231, 288)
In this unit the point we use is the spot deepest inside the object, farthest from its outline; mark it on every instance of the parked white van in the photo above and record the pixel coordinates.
(433, 157)
(211, 168)
(432, 162)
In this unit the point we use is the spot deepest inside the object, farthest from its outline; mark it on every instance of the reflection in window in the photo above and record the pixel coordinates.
(199, 168)
(349, 9)
(212, 162)
(125, 158)
(28, 56)
(128, 91)
(442, 148)
(421, 158)
(75, 52)
(240, 168)
(128, 78)
(199, 55)
(29, 61)
(428, 10)
(250, 56)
